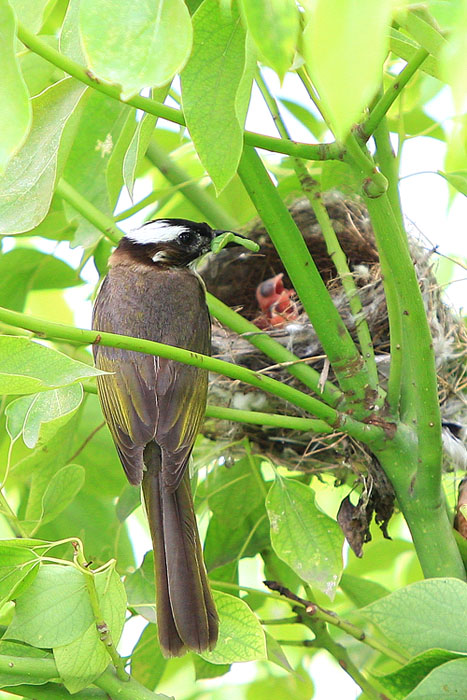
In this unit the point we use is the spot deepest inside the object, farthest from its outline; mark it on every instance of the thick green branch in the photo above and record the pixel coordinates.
(334, 336)
(392, 93)
(202, 200)
(311, 190)
(49, 329)
(322, 151)
(418, 346)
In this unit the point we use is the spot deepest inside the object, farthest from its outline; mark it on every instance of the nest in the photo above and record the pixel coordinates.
(233, 276)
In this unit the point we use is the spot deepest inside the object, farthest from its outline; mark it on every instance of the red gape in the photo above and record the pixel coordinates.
(275, 302)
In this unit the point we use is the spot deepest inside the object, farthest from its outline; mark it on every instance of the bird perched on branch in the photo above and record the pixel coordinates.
(154, 407)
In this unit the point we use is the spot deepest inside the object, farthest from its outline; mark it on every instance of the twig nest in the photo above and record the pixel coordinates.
(234, 276)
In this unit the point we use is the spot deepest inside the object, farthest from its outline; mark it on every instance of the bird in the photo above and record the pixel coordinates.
(154, 407)
(276, 303)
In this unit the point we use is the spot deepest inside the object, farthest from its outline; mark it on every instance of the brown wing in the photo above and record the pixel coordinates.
(149, 398)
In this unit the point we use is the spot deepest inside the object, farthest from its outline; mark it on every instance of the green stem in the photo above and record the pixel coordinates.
(46, 669)
(374, 182)
(322, 151)
(237, 415)
(324, 640)
(311, 190)
(392, 93)
(52, 691)
(102, 627)
(418, 346)
(202, 200)
(319, 614)
(277, 352)
(89, 211)
(52, 330)
(388, 164)
(335, 338)
(386, 159)
(11, 516)
(423, 507)
(150, 199)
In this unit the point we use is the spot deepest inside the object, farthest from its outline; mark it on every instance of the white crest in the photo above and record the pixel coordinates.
(155, 232)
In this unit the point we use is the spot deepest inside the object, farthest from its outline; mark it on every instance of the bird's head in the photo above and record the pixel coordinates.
(171, 242)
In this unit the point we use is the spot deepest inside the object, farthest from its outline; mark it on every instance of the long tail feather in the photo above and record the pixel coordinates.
(186, 614)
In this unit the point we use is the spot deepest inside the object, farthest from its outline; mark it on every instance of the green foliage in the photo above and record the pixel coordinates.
(241, 637)
(13, 92)
(28, 367)
(216, 86)
(66, 156)
(308, 540)
(142, 48)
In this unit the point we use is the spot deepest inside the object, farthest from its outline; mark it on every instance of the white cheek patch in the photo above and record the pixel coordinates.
(156, 232)
(160, 257)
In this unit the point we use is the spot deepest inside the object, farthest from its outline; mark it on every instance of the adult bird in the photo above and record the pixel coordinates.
(154, 407)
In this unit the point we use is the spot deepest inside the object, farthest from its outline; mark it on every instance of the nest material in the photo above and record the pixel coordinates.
(233, 276)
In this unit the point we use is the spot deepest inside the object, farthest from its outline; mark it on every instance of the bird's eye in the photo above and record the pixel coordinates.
(186, 237)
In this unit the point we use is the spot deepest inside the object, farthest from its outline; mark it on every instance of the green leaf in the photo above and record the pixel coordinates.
(401, 682)
(276, 654)
(31, 14)
(128, 501)
(203, 669)
(27, 367)
(404, 47)
(83, 660)
(241, 637)
(420, 25)
(147, 662)
(137, 150)
(98, 131)
(232, 493)
(274, 26)
(458, 180)
(361, 591)
(140, 588)
(55, 610)
(28, 183)
(148, 44)
(38, 73)
(443, 683)
(344, 44)
(298, 686)
(61, 491)
(14, 98)
(25, 269)
(114, 171)
(26, 414)
(307, 539)
(406, 616)
(454, 59)
(15, 565)
(315, 126)
(224, 544)
(339, 176)
(210, 84)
